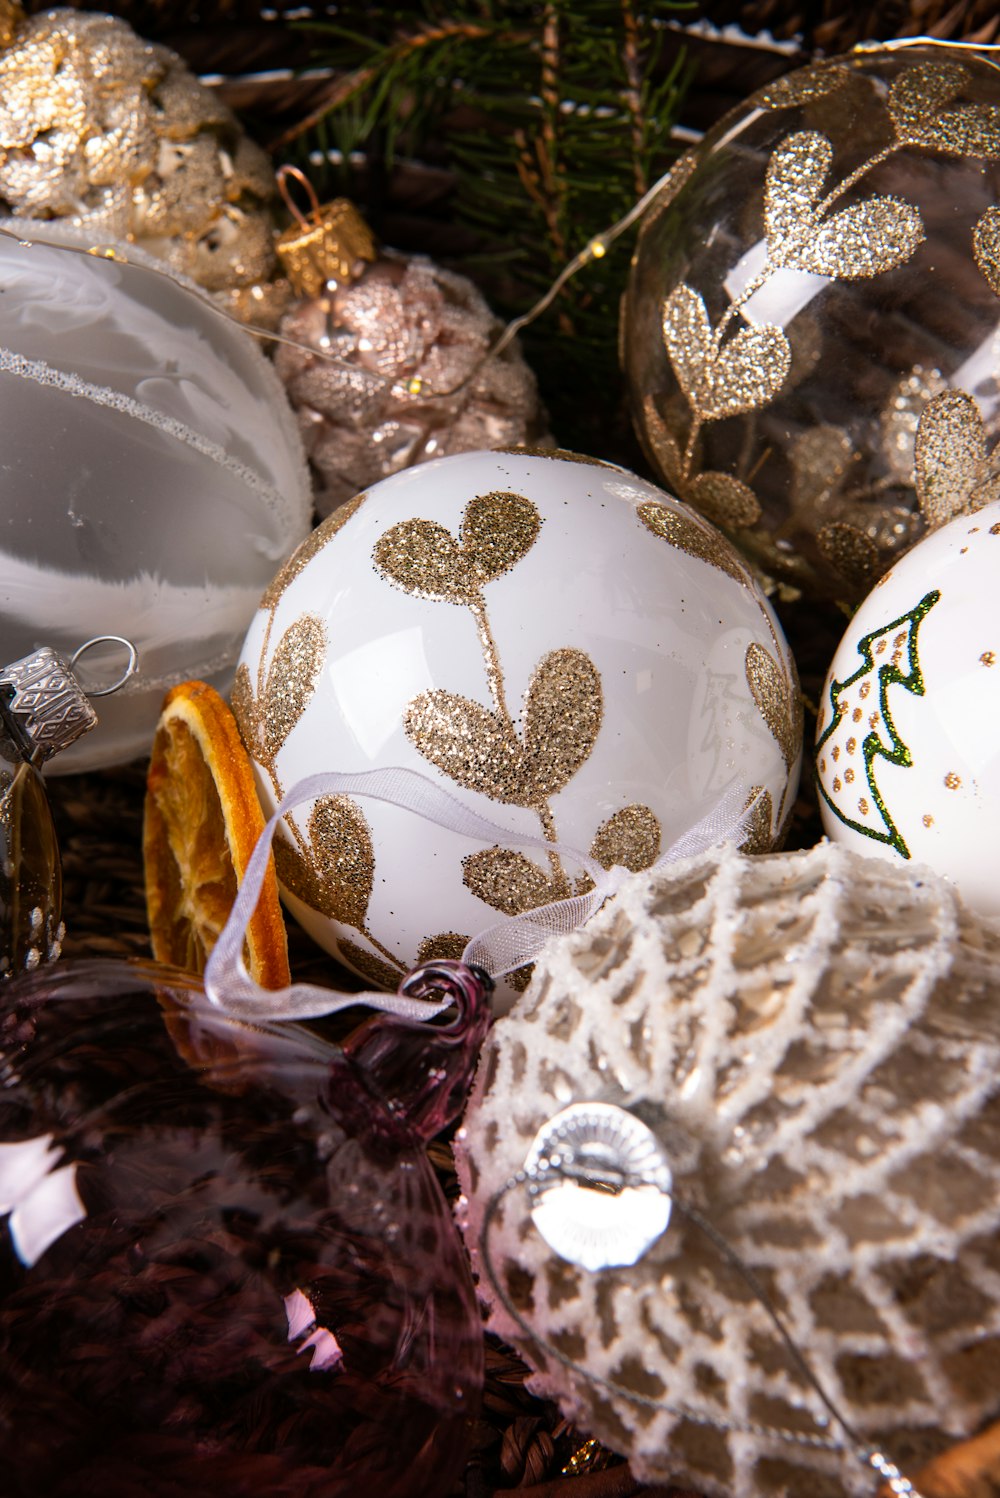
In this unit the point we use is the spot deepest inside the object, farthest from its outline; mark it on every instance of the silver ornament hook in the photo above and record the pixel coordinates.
(131, 665)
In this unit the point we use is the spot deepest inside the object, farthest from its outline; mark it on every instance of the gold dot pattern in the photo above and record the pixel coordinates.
(988, 658)
(953, 781)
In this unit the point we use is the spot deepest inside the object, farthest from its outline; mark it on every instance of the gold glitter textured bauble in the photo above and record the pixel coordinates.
(116, 135)
(407, 335)
(814, 1040)
(818, 273)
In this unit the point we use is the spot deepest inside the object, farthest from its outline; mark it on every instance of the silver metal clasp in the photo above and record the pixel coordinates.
(42, 703)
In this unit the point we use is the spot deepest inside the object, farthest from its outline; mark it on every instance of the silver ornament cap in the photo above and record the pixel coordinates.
(601, 1185)
(43, 704)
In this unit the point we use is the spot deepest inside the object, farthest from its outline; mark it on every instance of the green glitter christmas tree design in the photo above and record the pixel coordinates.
(861, 729)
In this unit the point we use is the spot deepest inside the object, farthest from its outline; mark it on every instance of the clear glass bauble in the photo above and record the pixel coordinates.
(822, 267)
(226, 1264)
(153, 478)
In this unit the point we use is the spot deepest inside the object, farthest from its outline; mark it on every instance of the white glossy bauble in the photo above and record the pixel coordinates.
(152, 477)
(908, 740)
(563, 647)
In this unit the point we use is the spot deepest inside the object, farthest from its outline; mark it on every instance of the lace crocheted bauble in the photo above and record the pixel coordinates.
(117, 135)
(406, 335)
(815, 1040)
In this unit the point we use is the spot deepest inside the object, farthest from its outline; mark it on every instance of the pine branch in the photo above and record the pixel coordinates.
(551, 119)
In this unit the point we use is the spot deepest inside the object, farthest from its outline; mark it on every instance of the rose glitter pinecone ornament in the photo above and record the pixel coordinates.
(115, 134)
(390, 341)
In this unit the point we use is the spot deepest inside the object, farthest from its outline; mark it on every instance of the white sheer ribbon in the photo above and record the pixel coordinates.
(500, 949)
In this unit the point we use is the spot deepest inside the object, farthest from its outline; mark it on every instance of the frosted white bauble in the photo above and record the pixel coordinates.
(563, 647)
(152, 476)
(908, 737)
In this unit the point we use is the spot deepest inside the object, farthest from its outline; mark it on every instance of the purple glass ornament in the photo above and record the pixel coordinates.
(419, 1073)
(225, 1266)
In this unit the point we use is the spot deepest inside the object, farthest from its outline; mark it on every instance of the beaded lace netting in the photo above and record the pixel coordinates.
(815, 1039)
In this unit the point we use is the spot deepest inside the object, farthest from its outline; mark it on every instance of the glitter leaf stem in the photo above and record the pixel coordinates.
(491, 660)
(549, 832)
(855, 176)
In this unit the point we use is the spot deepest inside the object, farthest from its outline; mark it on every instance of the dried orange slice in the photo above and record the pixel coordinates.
(202, 819)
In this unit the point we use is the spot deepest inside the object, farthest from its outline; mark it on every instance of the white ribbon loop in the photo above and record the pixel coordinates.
(503, 947)
(519, 939)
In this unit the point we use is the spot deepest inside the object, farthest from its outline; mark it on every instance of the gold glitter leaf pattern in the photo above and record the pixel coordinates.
(861, 241)
(746, 372)
(335, 875)
(563, 708)
(801, 87)
(725, 500)
(687, 333)
(296, 874)
(986, 246)
(901, 416)
(497, 531)
(774, 695)
(920, 92)
(471, 745)
(291, 679)
(666, 451)
(917, 104)
(795, 176)
(423, 558)
(853, 554)
(310, 547)
(819, 459)
(864, 240)
(378, 973)
(344, 857)
(759, 838)
(244, 706)
(507, 881)
(949, 455)
(696, 540)
(444, 944)
(630, 838)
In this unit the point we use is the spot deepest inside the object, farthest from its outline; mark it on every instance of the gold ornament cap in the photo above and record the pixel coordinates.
(327, 245)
